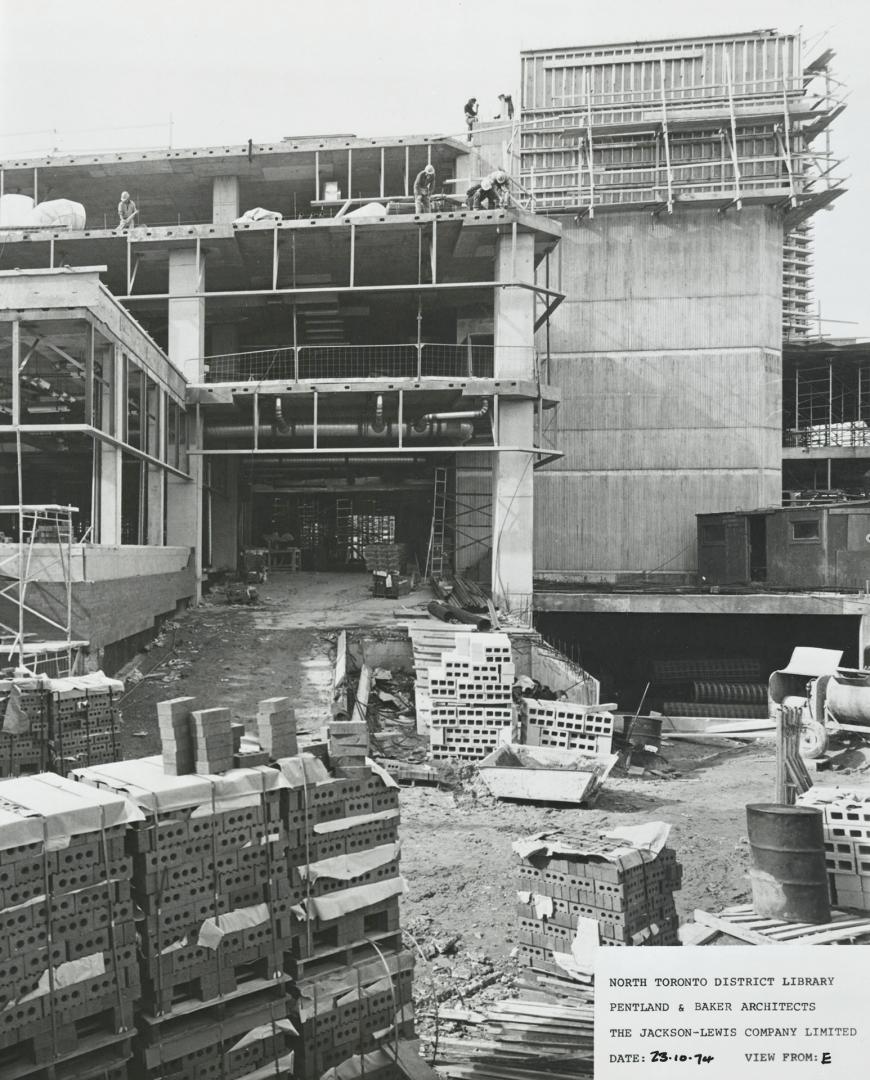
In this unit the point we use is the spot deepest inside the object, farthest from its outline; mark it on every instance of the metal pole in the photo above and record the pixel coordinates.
(383, 170)
(314, 425)
(349, 173)
(352, 251)
(407, 167)
(316, 175)
(256, 419)
(419, 336)
(401, 420)
(16, 364)
(295, 345)
(275, 257)
(35, 186)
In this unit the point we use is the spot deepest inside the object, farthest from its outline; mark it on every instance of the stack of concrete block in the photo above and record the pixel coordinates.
(470, 696)
(388, 557)
(353, 976)
(24, 740)
(567, 726)
(211, 875)
(212, 740)
(84, 723)
(276, 727)
(846, 826)
(348, 748)
(619, 894)
(176, 740)
(68, 969)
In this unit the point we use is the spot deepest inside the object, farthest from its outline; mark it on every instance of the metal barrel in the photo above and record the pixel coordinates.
(848, 697)
(789, 877)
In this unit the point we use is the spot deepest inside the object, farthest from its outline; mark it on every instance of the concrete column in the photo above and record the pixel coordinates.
(154, 480)
(513, 472)
(187, 316)
(113, 405)
(225, 199)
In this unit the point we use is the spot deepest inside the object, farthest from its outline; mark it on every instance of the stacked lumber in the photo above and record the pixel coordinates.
(68, 969)
(569, 888)
(567, 726)
(846, 826)
(354, 977)
(210, 873)
(548, 1031)
(470, 696)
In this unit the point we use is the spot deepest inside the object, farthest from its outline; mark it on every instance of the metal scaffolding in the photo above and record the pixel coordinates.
(44, 547)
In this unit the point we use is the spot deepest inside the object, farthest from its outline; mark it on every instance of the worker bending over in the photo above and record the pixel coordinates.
(481, 196)
(126, 212)
(424, 182)
(499, 181)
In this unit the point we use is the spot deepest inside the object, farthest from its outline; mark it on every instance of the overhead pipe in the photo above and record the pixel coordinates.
(362, 431)
(429, 419)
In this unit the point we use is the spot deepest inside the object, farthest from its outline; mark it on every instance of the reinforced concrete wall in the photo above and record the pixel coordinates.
(667, 352)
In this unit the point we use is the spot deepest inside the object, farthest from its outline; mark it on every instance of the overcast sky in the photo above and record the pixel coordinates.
(91, 74)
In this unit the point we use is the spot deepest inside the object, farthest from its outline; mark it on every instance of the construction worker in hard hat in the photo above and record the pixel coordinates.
(482, 196)
(500, 182)
(126, 212)
(424, 182)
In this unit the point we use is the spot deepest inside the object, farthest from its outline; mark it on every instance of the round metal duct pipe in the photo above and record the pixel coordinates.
(452, 431)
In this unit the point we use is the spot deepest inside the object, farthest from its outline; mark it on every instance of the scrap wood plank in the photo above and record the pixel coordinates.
(841, 928)
(406, 1055)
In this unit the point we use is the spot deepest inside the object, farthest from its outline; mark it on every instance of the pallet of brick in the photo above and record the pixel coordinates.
(348, 748)
(211, 876)
(386, 557)
(350, 1011)
(469, 695)
(84, 720)
(276, 727)
(846, 828)
(68, 968)
(622, 894)
(566, 726)
(24, 742)
(344, 857)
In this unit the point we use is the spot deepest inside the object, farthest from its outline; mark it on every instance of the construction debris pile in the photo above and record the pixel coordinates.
(56, 725)
(269, 942)
(846, 826)
(68, 969)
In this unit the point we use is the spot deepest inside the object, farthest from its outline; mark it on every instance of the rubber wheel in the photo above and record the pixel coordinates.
(814, 739)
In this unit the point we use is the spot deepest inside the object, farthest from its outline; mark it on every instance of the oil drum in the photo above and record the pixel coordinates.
(789, 877)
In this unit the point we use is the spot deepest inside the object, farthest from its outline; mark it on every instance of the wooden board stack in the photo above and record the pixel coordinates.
(353, 976)
(626, 892)
(846, 828)
(68, 969)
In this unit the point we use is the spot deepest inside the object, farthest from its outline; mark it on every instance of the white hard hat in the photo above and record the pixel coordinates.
(125, 194)
(429, 170)
(500, 177)
(486, 185)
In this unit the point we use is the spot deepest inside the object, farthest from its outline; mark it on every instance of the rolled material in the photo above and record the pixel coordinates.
(789, 876)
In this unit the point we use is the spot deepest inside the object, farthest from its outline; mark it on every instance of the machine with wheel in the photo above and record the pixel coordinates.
(831, 698)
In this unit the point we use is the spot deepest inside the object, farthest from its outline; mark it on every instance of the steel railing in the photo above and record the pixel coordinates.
(308, 362)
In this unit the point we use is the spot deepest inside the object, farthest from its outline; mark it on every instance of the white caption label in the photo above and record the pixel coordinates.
(798, 1012)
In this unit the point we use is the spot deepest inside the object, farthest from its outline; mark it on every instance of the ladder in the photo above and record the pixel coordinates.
(435, 556)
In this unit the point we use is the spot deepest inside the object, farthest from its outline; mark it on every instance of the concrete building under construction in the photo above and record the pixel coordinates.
(280, 344)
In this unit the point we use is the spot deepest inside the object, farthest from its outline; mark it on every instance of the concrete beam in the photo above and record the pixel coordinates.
(702, 603)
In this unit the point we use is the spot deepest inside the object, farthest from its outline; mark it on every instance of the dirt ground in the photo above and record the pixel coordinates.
(456, 855)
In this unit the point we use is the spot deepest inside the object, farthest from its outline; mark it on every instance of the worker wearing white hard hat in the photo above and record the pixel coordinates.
(482, 196)
(500, 185)
(126, 212)
(424, 183)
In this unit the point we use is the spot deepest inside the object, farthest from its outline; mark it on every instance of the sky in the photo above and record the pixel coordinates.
(92, 75)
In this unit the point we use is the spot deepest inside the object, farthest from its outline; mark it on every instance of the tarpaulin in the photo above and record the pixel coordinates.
(51, 809)
(264, 1031)
(144, 781)
(351, 822)
(68, 974)
(340, 903)
(641, 843)
(345, 867)
(212, 931)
